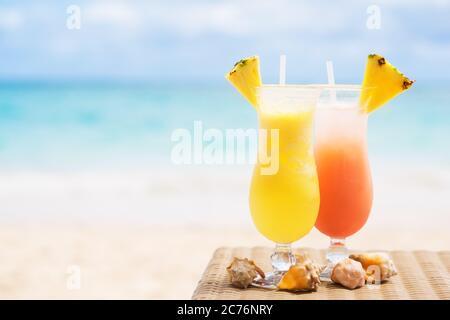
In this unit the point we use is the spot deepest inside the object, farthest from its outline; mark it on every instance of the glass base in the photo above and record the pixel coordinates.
(336, 252)
(325, 275)
(269, 282)
(282, 259)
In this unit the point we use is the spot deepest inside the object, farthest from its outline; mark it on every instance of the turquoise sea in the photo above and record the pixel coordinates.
(91, 125)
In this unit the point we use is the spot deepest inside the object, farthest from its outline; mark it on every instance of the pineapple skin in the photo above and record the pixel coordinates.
(382, 82)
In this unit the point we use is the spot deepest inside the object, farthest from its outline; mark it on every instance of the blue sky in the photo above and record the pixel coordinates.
(199, 40)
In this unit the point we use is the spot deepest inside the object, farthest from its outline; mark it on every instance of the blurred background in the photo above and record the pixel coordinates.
(91, 91)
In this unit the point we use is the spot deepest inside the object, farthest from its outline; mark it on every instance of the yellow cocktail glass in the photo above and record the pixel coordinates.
(284, 192)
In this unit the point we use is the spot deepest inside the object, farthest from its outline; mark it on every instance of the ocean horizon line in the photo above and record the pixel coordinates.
(166, 82)
(100, 82)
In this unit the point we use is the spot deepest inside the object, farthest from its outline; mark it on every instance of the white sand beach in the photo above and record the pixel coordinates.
(150, 235)
(132, 262)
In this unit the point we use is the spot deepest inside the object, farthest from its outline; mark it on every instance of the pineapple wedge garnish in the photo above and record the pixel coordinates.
(382, 82)
(245, 77)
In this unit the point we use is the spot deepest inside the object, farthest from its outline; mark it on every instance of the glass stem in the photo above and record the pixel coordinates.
(282, 258)
(337, 250)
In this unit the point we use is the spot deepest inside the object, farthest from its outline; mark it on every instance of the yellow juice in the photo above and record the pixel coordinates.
(284, 205)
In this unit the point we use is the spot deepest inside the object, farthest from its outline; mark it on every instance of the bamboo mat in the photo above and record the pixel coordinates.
(421, 275)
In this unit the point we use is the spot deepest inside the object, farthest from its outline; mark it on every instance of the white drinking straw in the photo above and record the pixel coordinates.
(330, 73)
(331, 82)
(282, 69)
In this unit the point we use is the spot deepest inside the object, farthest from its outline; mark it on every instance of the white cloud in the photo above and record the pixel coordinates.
(10, 19)
(224, 18)
(414, 3)
(187, 33)
(244, 18)
(115, 13)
